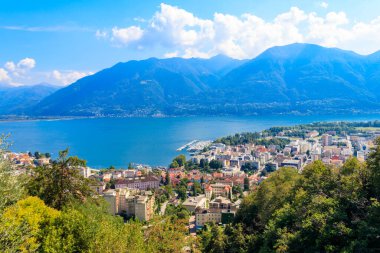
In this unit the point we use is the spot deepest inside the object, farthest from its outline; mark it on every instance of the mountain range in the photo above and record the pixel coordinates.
(297, 78)
(18, 100)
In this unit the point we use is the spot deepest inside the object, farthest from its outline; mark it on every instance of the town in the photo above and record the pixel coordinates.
(208, 186)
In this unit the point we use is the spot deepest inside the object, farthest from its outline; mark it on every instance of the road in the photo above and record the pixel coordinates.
(192, 227)
(163, 207)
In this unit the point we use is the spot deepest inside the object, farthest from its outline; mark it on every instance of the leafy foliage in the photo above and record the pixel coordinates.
(59, 183)
(12, 185)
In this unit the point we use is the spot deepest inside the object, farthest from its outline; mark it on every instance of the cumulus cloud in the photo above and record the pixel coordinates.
(22, 73)
(4, 77)
(67, 77)
(13, 72)
(127, 35)
(245, 36)
(324, 5)
(27, 63)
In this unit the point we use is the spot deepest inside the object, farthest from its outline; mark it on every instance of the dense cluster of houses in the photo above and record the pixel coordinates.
(327, 147)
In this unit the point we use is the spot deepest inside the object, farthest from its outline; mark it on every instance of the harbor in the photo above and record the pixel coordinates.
(195, 146)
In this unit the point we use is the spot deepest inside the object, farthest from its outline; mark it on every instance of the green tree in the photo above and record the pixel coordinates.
(246, 184)
(37, 155)
(12, 185)
(373, 162)
(182, 192)
(60, 182)
(174, 164)
(181, 160)
(25, 225)
(215, 164)
(167, 178)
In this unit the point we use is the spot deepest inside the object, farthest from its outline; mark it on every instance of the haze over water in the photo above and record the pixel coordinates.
(118, 141)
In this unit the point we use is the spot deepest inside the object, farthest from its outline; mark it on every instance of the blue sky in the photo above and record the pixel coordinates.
(61, 41)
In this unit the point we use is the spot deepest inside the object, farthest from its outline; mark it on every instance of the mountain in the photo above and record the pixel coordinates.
(144, 87)
(297, 78)
(303, 73)
(19, 99)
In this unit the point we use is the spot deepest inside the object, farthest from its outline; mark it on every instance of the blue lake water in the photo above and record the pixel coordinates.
(118, 141)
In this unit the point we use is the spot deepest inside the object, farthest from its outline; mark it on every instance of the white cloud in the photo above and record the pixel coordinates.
(4, 77)
(324, 5)
(127, 35)
(171, 54)
(16, 73)
(101, 34)
(177, 30)
(11, 66)
(67, 77)
(22, 73)
(26, 63)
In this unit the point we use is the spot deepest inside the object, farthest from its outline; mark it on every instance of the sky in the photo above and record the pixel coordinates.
(61, 41)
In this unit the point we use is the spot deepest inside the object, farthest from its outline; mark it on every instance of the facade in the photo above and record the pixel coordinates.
(204, 216)
(131, 203)
(326, 140)
(220, 189)
(291, 163)
(141, 183)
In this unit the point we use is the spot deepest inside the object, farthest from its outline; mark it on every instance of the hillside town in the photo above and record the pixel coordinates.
(211, 183)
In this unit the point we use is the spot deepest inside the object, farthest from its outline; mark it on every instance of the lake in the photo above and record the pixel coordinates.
(119, 141)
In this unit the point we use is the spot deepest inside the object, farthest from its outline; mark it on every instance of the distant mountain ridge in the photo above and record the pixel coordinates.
(297, 78)
(18, 100)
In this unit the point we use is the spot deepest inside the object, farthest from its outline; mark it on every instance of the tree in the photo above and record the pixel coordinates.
(47, 155)
(174, 164)
(203, 164)
(181, 160)
(246, 184)
(37, 155)
(178, 161)
(197, 188)
(213, 239)
(270, 167)
(373, 163)
(182, 192)
(167, 178)
(59, 183)
(12, 186)
(215, 164)
(25, 225)
(249, 167)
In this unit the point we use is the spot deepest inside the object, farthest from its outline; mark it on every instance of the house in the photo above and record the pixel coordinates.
(98, 187)
(130, 202)
(141, 183)
(193, 203)
(291, 163)
(221, 189)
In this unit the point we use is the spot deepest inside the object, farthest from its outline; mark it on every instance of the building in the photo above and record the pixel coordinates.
(291, 163)
(141, 183)
(130, 202)
(193, 203)
(221, 203)
(98, 187)
(204, 216)
(326, 140)
(112, 197)
(221, 189)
